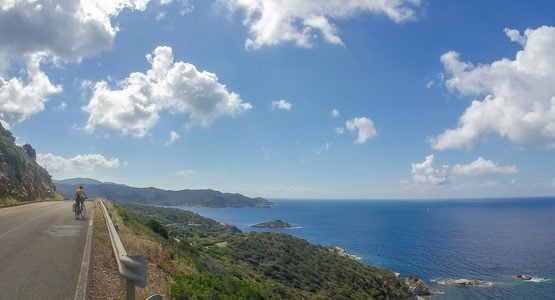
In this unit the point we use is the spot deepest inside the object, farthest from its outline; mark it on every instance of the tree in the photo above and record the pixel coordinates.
(30, 151)
(158, 228)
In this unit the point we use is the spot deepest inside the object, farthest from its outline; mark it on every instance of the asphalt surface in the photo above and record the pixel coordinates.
(41, 250)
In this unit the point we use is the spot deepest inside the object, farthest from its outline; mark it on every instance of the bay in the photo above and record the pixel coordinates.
(487, 239)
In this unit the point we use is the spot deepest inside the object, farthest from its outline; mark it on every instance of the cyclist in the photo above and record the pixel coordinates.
(80, 196)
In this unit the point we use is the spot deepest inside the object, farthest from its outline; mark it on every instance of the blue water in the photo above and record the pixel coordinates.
(477, 239)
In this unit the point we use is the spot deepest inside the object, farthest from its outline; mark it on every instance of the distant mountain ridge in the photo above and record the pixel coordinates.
(78, 181)
(156, 196)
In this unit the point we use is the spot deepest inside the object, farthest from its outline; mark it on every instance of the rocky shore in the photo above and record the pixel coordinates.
(341, 252)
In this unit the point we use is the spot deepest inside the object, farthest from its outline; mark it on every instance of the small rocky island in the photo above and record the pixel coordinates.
(274, 224)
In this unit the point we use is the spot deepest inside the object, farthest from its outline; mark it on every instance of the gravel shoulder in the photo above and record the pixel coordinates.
(105, 281)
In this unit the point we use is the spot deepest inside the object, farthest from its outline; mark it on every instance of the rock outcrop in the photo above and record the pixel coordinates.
(417, 286)
(524, 277)
(466, 282)
(21, 178)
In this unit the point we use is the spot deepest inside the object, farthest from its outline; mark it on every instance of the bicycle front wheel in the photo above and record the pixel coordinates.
(83, 211)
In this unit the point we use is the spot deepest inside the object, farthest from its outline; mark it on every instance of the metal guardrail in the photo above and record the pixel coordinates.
(132, 267)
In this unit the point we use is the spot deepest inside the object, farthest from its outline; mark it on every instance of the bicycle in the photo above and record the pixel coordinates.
(79, 210)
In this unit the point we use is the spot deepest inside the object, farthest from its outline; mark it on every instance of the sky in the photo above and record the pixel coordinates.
(360, 99)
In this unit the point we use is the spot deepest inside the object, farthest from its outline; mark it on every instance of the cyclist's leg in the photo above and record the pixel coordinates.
(83, 207)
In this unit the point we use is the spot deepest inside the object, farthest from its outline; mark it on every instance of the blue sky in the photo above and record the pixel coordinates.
(287, 99)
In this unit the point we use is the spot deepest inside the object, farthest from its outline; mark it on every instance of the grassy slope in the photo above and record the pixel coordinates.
(218, 262)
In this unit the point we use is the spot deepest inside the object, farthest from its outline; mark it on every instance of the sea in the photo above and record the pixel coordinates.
(484, 239)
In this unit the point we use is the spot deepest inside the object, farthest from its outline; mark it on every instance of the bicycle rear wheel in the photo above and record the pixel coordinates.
(77, 211)
(83, 211)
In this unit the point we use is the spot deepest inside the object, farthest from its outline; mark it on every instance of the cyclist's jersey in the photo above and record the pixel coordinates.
(79, 193)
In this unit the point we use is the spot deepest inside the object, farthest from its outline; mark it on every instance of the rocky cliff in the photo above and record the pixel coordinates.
(21, 178)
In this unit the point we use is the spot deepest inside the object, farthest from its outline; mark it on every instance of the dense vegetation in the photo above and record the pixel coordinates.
(128, 194)
(229, 264)
(21, 178)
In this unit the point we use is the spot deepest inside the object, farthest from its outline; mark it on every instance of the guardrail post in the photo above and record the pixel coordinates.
(132, 267)
(130, 289)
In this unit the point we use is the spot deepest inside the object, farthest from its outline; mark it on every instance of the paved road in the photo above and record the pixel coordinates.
(41, 251)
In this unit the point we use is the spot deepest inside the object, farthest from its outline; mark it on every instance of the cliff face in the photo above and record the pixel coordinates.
(21, 178)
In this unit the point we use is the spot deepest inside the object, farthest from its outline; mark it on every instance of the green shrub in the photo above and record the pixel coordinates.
(158, 228)
(205, 286)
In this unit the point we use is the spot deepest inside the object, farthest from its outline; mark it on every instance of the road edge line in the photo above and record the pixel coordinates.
(82, 282)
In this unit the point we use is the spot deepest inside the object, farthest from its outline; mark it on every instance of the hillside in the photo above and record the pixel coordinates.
(227, 264)
(21, 178)
(151, 195)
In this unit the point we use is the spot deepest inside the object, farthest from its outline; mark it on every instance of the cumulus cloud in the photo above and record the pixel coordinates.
(23, 97)
(66, 30)
(334, 113)
(177, 87)
(483, 166)
(272, 22)
(174, 136)
(79, 163)
(425, 173)
(365, 129)
(515, 36)
(54, 30)
(515, 99)
(282, 105)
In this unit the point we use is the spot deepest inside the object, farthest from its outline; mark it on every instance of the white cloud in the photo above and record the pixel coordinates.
(323, 148)
(518, 96)
(79, 163)
(334, 113)
(186, 7)
(272, 22)
(184, 172)
(160, 16)
(515, 36)
(54, 30)
(61, 107)
(174, 136)
(176, 87)
(65, 30)
(21, 98)
(281, 104)
(425, 173)
(339, 130)
(483, 166)
(365, 129)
